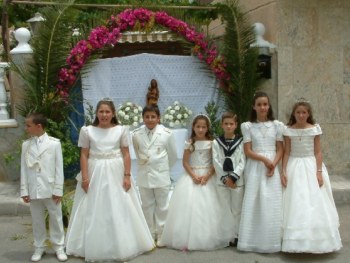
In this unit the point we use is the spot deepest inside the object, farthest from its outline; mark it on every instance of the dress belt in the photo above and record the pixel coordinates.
(106, 155)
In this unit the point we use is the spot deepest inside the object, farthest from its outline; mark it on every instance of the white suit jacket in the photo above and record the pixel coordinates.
(238, 160)
(42, 169)
(154, 158)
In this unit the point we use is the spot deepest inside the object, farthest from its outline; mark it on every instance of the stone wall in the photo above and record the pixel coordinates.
(312, 61)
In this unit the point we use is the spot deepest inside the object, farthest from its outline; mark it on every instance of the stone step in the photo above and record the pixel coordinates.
(340, 188)
(12, 204)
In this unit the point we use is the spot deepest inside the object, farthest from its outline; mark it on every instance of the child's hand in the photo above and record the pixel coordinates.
(270, 172)
(230, 183)
(204, 179)
(196, 179)
(320, 178)
(268, 163)
(26, 199)
(284, 180)
(85, 185)
(126, 183)
(56, 199)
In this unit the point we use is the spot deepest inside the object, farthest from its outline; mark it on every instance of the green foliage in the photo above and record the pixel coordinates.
(69, 150)
(40, 75)
(212, 111)
(241, 59)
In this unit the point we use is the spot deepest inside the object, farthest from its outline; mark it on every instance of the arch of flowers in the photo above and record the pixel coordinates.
(136, 19)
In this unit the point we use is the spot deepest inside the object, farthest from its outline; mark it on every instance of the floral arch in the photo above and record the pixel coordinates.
(136, 19)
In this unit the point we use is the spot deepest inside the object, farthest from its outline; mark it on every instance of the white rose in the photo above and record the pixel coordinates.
(172, 112)
(136, 111)
(127, 108)
(166, 116)
(139, 108)
(177, 122)
(135, 124)
(121, 113)
(177, 107)
(171, 118)
(190, 112)
(136, 118)
(185, 115)
(171, 124)
(179, 116)
(126, 117)
(169, 108)
(140, 120)
(129, 104)
(176, 102)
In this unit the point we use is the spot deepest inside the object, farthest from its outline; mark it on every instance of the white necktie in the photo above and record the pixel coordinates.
(150, 135)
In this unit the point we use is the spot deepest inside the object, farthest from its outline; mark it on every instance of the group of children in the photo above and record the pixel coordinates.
(232, 192)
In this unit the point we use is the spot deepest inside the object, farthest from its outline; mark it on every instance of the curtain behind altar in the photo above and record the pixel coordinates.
(125, 79)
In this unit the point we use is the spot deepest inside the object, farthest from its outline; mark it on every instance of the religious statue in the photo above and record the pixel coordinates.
(152, 93)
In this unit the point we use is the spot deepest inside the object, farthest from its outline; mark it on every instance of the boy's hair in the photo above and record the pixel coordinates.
(38, 118)
(151, 108)
(229, 115)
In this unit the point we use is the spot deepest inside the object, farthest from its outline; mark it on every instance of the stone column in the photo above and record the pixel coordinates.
(5, 120)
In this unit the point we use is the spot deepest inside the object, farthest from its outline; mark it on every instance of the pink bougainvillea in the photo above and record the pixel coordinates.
(136, 19)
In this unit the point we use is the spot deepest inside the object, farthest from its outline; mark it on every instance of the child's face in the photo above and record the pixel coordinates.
(33, 129)
(200, 128)
(229, 126)
(301, 114)
(151, 119)
(104, 115)
(261, 107)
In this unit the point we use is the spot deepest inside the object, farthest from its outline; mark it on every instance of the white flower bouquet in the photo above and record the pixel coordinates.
(130, 114)
(176, 115)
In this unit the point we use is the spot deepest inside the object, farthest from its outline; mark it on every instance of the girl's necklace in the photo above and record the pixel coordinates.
(300, 134)
(263, 129)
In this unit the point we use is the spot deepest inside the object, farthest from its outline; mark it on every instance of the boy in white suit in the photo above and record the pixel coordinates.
(42, 185)
(155, 150)
(229, 162)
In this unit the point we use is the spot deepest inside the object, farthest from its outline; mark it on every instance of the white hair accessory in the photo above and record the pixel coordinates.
(203, 115)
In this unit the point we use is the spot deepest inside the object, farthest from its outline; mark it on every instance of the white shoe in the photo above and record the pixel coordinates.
(38, 253)
(61, 256)
(160, 244)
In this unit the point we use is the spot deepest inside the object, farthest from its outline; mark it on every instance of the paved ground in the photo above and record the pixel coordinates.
(16, 246)
(16, 236)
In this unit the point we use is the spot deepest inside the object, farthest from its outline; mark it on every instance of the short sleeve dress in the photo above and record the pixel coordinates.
(310, 218)
(261, 219)
(106, 223)
(195, 214)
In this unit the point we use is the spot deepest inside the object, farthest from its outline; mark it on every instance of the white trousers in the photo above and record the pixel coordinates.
(37, 210)
(232, 199)
(155, 208)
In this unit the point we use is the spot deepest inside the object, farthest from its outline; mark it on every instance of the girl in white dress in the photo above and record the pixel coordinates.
(106, 222)
(261, 219)
(194, 216)
(310, 218)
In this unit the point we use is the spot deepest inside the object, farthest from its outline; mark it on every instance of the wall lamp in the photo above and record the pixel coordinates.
(265, 48)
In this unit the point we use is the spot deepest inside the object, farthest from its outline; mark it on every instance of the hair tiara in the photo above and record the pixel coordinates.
(107, 99)
(302, 99)
(203, 115)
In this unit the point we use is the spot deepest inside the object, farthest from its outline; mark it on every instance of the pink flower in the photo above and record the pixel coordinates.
(127, 20)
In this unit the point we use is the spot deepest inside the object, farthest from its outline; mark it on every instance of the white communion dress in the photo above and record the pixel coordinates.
(106, 223)
(310, 218)
(195, 216)
(261, 219)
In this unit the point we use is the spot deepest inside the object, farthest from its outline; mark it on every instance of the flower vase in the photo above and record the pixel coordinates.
(177, 126)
